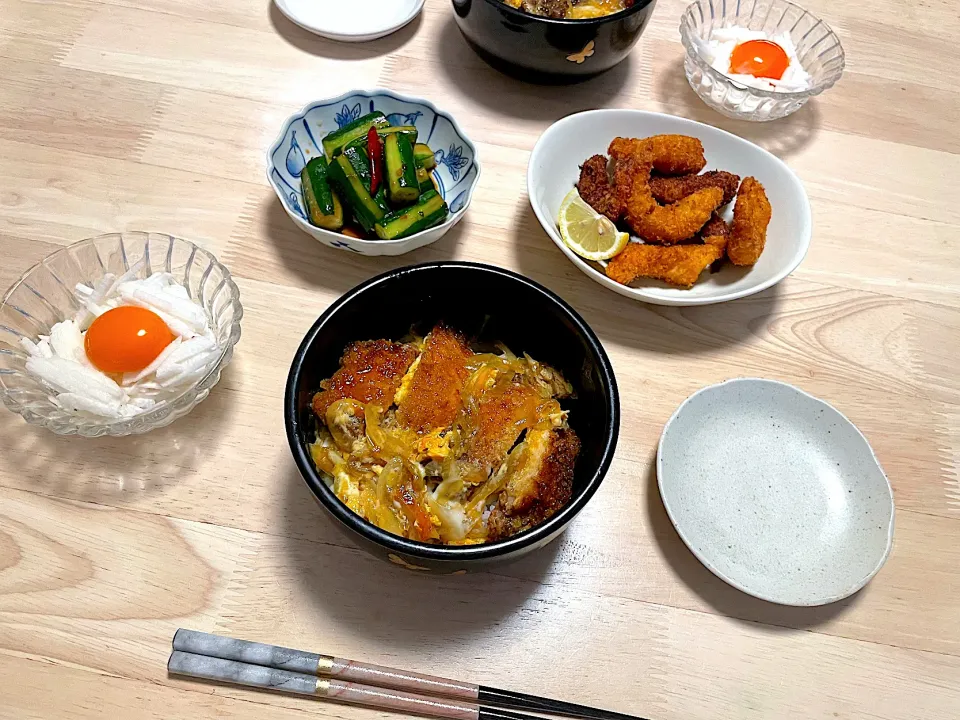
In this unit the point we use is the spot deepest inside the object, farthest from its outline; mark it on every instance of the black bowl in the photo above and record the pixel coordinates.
(541, 49)
(487, 304)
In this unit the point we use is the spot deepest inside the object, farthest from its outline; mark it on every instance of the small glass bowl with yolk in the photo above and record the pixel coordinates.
(811, 43)
(122, 340)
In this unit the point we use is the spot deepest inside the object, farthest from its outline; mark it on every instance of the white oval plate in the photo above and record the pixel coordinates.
(555, 168)
(776, 492)
(350, 20)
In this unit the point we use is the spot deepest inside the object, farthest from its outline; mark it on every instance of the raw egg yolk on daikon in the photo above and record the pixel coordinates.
(760, 58)
(126, 339)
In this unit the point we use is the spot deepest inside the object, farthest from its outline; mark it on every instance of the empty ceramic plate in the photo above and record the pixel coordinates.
(776, 492)
(353, 21)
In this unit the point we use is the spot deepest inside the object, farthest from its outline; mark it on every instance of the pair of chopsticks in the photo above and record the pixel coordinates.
(240, 662)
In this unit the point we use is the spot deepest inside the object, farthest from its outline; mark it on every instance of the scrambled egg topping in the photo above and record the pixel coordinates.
(444, 484)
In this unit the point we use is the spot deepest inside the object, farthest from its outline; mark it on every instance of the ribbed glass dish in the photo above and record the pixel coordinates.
(44, 296)
(818, 48)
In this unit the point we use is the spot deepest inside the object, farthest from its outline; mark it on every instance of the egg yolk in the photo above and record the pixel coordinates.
(760, 58)
(126, 339)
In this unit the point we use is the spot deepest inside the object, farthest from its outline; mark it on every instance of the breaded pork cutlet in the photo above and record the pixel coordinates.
(433, 398)
(502, 413)
(541, 482)
(671, 189)
(595, 188)
(370, 372)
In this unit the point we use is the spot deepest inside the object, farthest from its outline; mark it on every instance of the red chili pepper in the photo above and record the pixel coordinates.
(375, 151)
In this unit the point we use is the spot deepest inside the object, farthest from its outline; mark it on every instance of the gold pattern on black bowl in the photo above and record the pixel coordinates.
(548, 50)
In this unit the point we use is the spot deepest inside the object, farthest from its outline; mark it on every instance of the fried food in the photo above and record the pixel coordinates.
(625, 171)
(370, 372)
(671, 189)
(679, 265)
(505, 449)
(595, 188)
(503, 412)
(715, 232)
(433, 397)
(669, 154)
(658, 193)
(751, 215)
(541, 481)
(667, 224)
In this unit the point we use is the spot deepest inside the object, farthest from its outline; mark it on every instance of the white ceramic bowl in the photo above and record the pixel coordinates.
(456, 173)
(555, 167)
(43, 296)
(351, 21)
(776, 492)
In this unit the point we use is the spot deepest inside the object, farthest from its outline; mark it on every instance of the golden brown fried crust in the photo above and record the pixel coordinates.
(625, 172)
(666, 224)
(433, 399)
(679, 265)
(715, 232)
(503, 412)
(595, 188)
(669, 154)
(751, 215)
(370, 372)
(671, 189)
(540, 488)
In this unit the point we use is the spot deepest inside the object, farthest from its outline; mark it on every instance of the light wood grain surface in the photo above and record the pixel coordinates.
(154, 114)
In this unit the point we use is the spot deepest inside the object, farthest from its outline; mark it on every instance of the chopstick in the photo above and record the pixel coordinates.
(327, 666)
(205, 667)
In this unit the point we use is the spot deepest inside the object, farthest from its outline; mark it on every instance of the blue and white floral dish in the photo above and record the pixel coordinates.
(456, 173)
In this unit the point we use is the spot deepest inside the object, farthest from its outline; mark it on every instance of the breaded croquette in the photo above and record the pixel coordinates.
(751, 215)
(595, 188)
(370, 372)
(669, 154)
(667, 224)
(679, 265)
(671, 189)
(434, 395)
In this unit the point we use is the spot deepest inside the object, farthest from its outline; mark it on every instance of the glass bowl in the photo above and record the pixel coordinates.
(818, 48)
(44, 296)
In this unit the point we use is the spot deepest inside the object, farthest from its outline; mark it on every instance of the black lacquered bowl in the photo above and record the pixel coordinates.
(540, 49)
(487, 304)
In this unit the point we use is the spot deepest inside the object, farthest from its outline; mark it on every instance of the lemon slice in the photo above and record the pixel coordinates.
(588, 233)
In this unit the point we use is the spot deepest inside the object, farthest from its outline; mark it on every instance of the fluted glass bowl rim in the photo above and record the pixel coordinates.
(165, 412)
(828, 81)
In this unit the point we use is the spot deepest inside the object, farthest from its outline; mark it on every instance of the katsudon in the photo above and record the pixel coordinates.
(432, 441)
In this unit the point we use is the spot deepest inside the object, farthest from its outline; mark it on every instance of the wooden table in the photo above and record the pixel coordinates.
(155, 114)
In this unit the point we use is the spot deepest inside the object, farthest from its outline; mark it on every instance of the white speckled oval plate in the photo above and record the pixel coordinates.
(776, 492)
